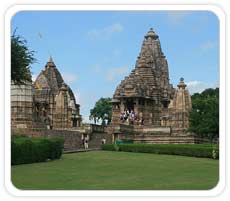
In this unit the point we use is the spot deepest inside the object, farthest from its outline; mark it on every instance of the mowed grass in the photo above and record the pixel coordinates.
(105, 170)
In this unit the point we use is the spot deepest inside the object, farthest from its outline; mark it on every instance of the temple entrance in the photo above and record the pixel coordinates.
(74, 122)
(129, 105)
(165, 103)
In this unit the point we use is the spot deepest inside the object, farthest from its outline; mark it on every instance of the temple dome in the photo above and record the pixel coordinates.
(49, 78)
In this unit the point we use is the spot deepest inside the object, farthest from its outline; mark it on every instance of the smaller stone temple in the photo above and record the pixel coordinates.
(146, 107)
(47, 103)
(178, 110)
(47, 108)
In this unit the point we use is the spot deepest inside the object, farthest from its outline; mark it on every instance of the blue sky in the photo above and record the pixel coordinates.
(95, 50)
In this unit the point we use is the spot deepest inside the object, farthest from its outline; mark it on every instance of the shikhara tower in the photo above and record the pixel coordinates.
(148, 92)
(47, 103)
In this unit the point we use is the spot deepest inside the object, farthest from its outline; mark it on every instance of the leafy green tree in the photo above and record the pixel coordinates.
(102, 111)
(21, 59)
(204, 117)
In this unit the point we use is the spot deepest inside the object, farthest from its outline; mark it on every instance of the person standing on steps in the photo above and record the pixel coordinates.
(86, 145)
(103, 141)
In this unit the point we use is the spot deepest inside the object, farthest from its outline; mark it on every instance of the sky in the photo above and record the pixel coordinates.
(95, 50)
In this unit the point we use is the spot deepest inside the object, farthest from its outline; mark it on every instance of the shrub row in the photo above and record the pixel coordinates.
(28, 150)
(109, 147)
(194, 150)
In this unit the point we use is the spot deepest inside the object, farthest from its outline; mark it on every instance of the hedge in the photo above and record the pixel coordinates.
(194, 150)
(32, 150)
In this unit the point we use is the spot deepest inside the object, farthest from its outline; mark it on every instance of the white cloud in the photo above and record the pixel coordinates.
(34, 76)
(115, 72)
(77, 97)
(208, 45)
(86, 120)
(105, 32)
(177, 17)
(69, 78)
(199, 86)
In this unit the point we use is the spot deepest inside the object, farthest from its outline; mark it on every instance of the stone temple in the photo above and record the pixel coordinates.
(158, 111)
(146, 108)
(47, 103)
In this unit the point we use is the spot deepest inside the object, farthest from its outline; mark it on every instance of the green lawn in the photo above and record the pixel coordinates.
(105, 170)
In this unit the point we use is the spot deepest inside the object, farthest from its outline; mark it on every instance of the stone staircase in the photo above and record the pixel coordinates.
(81, 150)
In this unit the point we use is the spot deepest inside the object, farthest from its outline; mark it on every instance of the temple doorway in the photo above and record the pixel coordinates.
(74, 122)
(129, 105)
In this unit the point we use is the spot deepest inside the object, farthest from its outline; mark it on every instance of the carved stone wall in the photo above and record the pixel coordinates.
(73, 139)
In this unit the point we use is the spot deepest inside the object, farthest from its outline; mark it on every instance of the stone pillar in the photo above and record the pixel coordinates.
(61, 109)
(136, 105)
(122, 106)
(116, 110)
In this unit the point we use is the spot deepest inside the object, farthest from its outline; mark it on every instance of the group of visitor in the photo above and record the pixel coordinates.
(131, 117)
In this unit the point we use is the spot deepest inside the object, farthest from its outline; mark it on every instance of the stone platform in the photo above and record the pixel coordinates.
(153, 135)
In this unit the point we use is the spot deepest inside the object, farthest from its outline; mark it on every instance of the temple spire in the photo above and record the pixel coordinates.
(50, 63)
(51, 59)
(151, 34)
(181, 84)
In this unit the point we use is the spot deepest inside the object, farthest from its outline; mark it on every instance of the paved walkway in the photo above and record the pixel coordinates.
(81, 150)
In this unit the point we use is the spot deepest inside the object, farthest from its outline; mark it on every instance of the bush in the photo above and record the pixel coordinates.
(108, 147)
(28, 150)
(194, 150)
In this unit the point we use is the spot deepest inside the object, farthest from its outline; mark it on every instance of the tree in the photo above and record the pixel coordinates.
(21, 59)
(204, 117)
(102, 111)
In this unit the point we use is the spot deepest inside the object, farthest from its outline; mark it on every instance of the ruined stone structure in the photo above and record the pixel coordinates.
(148, 95)
(48, 103)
